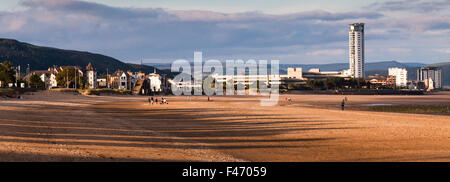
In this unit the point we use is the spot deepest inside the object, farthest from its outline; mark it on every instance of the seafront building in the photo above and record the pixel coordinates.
(381, 80)
(317, 74)
(155, 82)
(401, 76)
(356, 50)
(91, 74)
(430, 76)
(124, 81)
(138, 82)
(102, 83)
(49, 76)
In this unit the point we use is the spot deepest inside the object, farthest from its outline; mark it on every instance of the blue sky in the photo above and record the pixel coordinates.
(292, 31)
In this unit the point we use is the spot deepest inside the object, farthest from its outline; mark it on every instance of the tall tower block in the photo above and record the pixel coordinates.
(356, 50)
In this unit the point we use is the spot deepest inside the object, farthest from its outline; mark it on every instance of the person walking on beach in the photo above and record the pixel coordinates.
(342, 104)
(151, 100)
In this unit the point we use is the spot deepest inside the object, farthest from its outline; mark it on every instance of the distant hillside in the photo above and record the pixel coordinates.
(41, 58)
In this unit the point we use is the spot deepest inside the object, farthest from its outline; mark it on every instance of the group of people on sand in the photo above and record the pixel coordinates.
(152, 100)
(288, 99)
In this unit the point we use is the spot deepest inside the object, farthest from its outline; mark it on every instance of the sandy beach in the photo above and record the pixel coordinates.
(58, 126)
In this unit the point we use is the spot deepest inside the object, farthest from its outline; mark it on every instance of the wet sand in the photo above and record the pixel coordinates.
(56, 126)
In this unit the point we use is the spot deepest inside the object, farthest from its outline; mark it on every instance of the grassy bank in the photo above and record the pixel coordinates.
(104, 92)
(416, 109)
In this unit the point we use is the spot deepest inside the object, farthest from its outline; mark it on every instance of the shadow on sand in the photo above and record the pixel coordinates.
(117, 125)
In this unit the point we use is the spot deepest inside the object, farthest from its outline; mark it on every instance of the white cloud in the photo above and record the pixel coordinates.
(328, 52)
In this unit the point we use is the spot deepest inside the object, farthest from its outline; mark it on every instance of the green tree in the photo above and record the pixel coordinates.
(7, 73)
(36, 82)
(315, 84)
(66, 78)
(334, 83)
(310, 83)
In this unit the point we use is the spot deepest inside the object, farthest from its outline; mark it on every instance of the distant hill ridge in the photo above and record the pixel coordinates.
(41, 58)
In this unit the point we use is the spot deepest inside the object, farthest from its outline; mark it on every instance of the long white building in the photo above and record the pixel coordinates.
(356, 50)
(401, 76)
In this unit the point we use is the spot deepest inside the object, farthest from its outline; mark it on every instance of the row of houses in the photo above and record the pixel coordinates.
(127, 80)
(49, 76)
(124, 80)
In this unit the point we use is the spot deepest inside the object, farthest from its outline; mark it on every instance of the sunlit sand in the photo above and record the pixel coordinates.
(54, 126)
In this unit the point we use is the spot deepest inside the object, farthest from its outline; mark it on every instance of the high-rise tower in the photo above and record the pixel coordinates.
(356, 50)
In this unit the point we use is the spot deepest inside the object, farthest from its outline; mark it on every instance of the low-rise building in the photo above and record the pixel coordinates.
(247, 79)
(381, 80)
(316, 74)
(102, 82)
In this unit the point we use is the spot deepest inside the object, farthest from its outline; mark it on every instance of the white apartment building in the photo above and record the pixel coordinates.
(356, 50)
(401, 76)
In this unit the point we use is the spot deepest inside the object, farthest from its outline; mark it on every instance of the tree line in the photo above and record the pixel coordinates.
(332, 83)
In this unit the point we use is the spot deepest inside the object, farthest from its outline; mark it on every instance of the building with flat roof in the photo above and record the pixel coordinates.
(431, 76)
(401, 76)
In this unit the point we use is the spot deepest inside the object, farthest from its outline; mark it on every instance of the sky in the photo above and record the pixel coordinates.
(292, 31)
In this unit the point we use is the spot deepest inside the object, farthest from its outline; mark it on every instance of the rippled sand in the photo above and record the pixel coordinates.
(56, 126)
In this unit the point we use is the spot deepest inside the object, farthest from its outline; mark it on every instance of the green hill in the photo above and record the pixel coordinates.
(41, 58)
